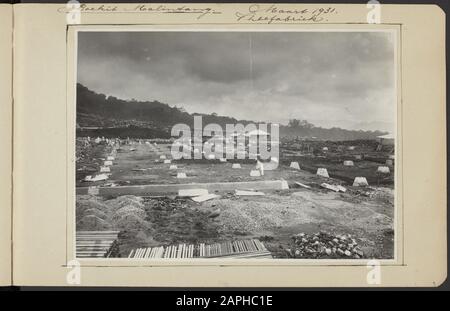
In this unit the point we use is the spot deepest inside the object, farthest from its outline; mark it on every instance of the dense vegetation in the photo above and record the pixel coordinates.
(99, 115)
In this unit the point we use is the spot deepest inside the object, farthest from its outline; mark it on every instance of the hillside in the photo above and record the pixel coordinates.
(99, 115)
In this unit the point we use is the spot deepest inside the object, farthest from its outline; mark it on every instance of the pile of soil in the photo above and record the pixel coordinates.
(92, 223)
(121, 213)
(179, 220)
(91, 214)
(126, 200)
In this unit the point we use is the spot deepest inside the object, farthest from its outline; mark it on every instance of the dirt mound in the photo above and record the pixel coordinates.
(129, 213)
(126, 200)
(131, 222)
(88, 202)
(95, 212)
(92, 223)
(91, 213)
(124, 213)
(128, 210)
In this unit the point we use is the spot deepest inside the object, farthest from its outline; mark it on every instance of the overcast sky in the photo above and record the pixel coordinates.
(330, 78)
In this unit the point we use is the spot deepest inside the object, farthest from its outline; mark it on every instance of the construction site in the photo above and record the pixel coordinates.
(286, 145)
(317, 200)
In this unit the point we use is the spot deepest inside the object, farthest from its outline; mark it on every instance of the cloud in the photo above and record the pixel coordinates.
(255, 76)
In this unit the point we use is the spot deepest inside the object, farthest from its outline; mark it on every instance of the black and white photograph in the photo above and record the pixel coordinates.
(249, 144)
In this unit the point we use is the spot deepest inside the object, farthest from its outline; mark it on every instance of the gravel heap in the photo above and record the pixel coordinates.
(324, 245)
(166, 203)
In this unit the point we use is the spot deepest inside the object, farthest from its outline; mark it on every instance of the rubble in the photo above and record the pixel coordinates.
(323, 245)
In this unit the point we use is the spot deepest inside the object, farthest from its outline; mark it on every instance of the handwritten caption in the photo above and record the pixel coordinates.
(198, 12)
(255, 13)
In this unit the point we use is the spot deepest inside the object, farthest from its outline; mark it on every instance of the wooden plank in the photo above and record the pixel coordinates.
(87, 243)
(179, 250)
(183, 251)
(90, 252)
(160, 252)
(95, 242)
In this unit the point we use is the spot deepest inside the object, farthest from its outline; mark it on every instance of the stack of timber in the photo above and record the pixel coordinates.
(96, 244)
(237, 249)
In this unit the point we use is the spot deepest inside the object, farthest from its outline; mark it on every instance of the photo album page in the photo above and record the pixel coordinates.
(222, 145)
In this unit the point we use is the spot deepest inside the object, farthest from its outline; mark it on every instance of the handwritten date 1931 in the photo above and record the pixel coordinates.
(269, 14)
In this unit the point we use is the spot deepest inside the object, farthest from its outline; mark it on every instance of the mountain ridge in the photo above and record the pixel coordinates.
(107, 115)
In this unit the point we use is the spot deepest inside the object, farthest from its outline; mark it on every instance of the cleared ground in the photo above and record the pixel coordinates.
(365, 213)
